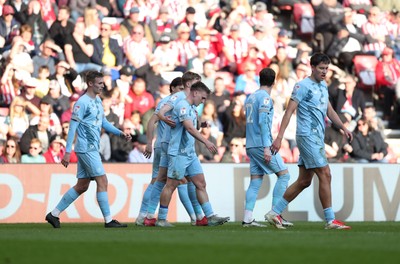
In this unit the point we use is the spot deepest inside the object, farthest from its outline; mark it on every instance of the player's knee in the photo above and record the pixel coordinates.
(304, 183)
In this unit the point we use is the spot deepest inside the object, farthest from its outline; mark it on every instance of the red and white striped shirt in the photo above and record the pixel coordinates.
(7, 92)
(140, 50)
(185, 50)
(375, 30)
(237, 48)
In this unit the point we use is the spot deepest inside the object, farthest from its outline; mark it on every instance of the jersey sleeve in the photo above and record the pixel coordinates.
(79, 111)
(299, 92)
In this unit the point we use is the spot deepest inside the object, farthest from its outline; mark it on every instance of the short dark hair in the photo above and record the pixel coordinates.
(267, 77)
(175, 82)
(189, 76)
(200, 86)
(92, 75)
(318, 57)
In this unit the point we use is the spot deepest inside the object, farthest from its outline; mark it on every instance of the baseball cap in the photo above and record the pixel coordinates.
(387, 51)
(46, 100)
(31, 82)
(164, 10)
(190, 10)
(235, 27)
(203, 45)
(126, 70)
(260, 6)
(106, 71)
(141, 139)
(134, 10)
(259, 28)
(165, 39)
(7, 9)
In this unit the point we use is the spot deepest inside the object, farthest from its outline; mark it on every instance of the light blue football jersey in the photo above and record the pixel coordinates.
(182, 143)
(89, 113)
(259, 114)
(313, 101)
(160, 125)
(173, 100)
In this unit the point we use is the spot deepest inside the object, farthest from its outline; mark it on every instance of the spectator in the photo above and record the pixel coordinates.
(119, 149)
(137, 122)
(11, 153)
(186, 49)
(249, 81)
(376, 31)
(368, 144)
(163, 25)
(60, 103)
(204, 155)
(236, 152)
(9, 27)
(39, 26)
(132, 20)
(299, 73)
(371, 117)
(20, 8)
(281, 91)
(31, 100)
(107, 51)
(141, 100)
(190, 21)
(56, 151)
(125, 80)
(264, 40)
(92, 23)
(234, 121)
(66, 115)
(43, 82)
(136, 48)
(220, 96)
(234, 50)
(328, 15)
(62, 27)
(7, 89)
(39, 131)
(259, 59)
(210, 116)
(20, 59)
(151, 73)
(136, 154)
(46, 109)
(196, 63)
(46, 57)
(165, 54)
(3, 128)
(65, 75)
(337, 147)
(351, 99)
(18, 120)
(118, 102)
(65, 128)
(34, 155)
(79, 49)
(208, 75)
(105, 146)
(387, 74)
(77, 7)
(282, 60)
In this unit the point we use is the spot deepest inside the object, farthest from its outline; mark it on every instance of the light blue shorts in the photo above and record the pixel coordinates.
(258, 166)
(156, 162)
(180, 166)
(164, 155)
(312, 151)
(89, 165)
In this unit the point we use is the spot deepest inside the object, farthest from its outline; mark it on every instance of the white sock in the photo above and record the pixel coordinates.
(56, 212)
(248, 216)
(108, 219)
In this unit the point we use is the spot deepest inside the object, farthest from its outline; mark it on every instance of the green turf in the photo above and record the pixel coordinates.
(367, 242)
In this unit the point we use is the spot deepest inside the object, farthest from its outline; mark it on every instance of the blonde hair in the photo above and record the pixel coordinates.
(18, 100)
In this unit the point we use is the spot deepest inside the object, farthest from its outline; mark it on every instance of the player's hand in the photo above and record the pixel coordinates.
(65, 160)
(204, 124)
(211, 147)
(348, 134)
(276, 145)
(169, 122)
(147, 152)
(127, 136)
(267, 155)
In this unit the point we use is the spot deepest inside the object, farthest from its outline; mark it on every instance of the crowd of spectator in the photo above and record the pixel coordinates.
(46, 46)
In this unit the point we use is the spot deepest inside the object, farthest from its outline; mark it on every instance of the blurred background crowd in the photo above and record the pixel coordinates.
(46, 46)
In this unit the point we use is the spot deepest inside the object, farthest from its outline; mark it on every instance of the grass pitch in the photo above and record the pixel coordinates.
(367, 242)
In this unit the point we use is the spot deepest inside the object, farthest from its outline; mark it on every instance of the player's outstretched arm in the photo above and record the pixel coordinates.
(276, 145)
(162, 117)
(112, 129)
(196, 134)
(149, 135)
(73, 125)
